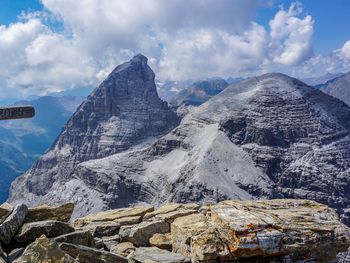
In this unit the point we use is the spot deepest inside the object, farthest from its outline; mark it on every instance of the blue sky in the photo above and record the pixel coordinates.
(332, 20)
(10, 9)
(52, 46)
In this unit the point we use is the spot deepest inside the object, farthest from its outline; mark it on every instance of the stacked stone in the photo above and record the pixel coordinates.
(231, 231)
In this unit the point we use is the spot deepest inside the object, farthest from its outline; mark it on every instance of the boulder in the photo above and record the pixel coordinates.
(56, 213)
(169, 208)
(5, 211)
(12, 223)
(112, 215)
(99, 243)
(110, 241)
(140, 234)
(162, 241)
(101, 228)
(84, 238)
(14, 254)
(49, 228)
(301, 229)
(344, 257)
(124, 248)
(130, 220)
(154, 254)
(184, 228)
(91, 255)
(44, 250)
(171, 216)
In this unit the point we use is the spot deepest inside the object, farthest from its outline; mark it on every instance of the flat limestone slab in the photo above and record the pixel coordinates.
(45, 212)
(269, 228)
(154, 254)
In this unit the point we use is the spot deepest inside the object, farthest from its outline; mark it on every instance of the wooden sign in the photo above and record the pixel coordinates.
(16, 112)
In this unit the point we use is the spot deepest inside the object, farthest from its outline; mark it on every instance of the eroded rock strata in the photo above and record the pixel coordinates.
(281, 230)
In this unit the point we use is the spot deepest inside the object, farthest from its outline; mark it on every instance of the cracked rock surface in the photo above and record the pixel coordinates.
(280, 230)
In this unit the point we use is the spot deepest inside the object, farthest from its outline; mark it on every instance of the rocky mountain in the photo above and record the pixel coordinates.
(266, 137)
(285, 230)
(319, 80)
(199, 92)
(123, 112)
(338, 87)
(23, 141)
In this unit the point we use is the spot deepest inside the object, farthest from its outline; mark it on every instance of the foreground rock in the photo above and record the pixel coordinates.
(49, 228)
(44, 250)
(5, 210)
(42, 213)
(91, 255)
(344, 257)
(154, 254)
(140, 234)
(79, 237)
(12, 223)
(280, 230)
(269, 228)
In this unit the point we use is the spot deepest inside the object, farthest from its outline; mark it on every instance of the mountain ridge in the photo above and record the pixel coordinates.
(265, 137)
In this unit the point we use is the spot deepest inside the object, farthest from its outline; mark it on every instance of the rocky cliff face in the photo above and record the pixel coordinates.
(266, 137)
(123, 111)
(338, 87)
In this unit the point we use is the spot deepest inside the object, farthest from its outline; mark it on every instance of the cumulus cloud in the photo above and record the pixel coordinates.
(183, 40)
(345, 50)
(291, 36)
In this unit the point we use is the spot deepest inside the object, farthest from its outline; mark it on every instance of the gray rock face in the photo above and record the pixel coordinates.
(88, 254)
(268, 137)
(344, 257)
(153, 254)
(122, 112)
(338, 87)
(12, 223)
(78, 237)
(140, 234)
(49, 228)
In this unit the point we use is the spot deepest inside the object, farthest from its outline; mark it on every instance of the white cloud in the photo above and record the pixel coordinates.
(345, 50)
(291, 36)
(183, 40)
(199, 54)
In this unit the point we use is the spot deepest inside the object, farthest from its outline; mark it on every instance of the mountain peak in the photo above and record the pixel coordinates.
(135, 66)
(139, 58)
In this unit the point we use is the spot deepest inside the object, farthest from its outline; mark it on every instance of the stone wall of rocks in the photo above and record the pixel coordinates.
(231, 231)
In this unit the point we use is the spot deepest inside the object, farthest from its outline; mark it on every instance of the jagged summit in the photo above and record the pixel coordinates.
(123, 111)
(137, 64)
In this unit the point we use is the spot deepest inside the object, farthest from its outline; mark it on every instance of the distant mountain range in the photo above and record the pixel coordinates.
(270, 136)
(22, 141)
(338, 87)
(172, 91)
(199, 92)
(314, 81)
